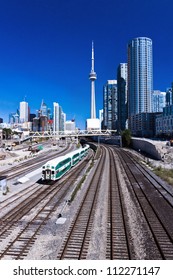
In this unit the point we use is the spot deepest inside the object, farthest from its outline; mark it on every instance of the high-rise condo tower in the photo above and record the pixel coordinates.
(140, 75)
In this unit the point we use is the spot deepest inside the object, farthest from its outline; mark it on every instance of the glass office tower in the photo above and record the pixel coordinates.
(122, 95)
(140, 76)
(110, 105)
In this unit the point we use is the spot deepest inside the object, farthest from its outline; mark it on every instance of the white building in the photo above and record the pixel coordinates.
(63, 120)
(101, 117)
(70, 126)
(56, 114)
(23, 112)
(93, 124)
(59, 118)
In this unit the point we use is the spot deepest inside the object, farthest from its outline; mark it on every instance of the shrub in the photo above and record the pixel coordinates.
(126, 138)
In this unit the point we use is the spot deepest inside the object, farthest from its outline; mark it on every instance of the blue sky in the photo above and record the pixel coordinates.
(45, 49)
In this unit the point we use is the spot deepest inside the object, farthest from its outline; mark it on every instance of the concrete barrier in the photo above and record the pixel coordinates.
(148, 147)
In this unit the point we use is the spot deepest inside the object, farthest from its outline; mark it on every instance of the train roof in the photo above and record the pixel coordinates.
(55, 161)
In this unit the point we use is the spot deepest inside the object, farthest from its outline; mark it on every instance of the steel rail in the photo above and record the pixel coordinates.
(21, 244)
(117, 231)
(157, 212)
(76, 243)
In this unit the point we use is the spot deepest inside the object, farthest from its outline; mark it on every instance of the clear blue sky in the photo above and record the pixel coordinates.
(45, 49)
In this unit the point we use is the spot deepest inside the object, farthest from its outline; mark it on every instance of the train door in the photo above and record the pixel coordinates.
(48, 174)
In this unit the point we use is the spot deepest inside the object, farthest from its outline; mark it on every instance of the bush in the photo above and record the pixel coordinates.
(126, 138)
(165, 174)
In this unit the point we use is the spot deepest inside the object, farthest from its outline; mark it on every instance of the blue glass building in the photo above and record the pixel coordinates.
(158, 101)
(140, 82)
(140, 75)
(122, 95)
(110, 105)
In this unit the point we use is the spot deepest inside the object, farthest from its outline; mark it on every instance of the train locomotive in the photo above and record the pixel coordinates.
(54, 169)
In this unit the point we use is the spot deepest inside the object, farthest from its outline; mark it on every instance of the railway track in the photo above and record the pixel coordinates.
(76, 243)
(31, 164)
(163, 188)
(20, 227)
(155, 203)
(15, 198)
(117, 231)
(136, 205)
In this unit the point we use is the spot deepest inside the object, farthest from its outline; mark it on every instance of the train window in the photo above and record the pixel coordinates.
(53, 172)
(43, 172)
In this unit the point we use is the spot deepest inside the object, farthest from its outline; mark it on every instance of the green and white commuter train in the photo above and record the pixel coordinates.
(56, 168)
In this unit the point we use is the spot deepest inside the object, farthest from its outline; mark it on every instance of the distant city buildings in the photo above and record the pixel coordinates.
(130, 102)
(70, 126)
(14, 118)
(158, 100)
(43, 109)
(164, 121)
(42, 121)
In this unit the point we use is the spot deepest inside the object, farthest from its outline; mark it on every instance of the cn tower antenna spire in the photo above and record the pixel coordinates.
(92, 59)
(93, 77)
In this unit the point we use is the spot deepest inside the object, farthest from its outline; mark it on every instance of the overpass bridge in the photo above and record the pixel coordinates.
(66, 134)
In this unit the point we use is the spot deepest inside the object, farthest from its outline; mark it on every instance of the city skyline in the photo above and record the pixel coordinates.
(45, 50)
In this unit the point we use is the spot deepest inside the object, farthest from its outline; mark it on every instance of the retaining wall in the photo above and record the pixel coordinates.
(147, 147)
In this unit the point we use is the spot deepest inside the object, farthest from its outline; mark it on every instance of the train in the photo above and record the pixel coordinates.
(54, 169)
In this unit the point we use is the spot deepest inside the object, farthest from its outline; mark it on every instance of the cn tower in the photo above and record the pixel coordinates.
(93, 77)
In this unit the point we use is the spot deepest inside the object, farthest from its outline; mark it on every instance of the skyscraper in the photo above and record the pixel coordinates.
(23, 111)
(56, 114)
(93, 77)
(59, 118)
(122, 95)
(110, 105)
(43, 108)
(140, 75)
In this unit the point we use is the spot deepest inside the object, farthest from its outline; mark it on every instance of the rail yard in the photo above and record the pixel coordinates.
(107, 206)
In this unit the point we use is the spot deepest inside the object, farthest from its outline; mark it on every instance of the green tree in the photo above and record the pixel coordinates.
(126, 138)
(6, 132)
